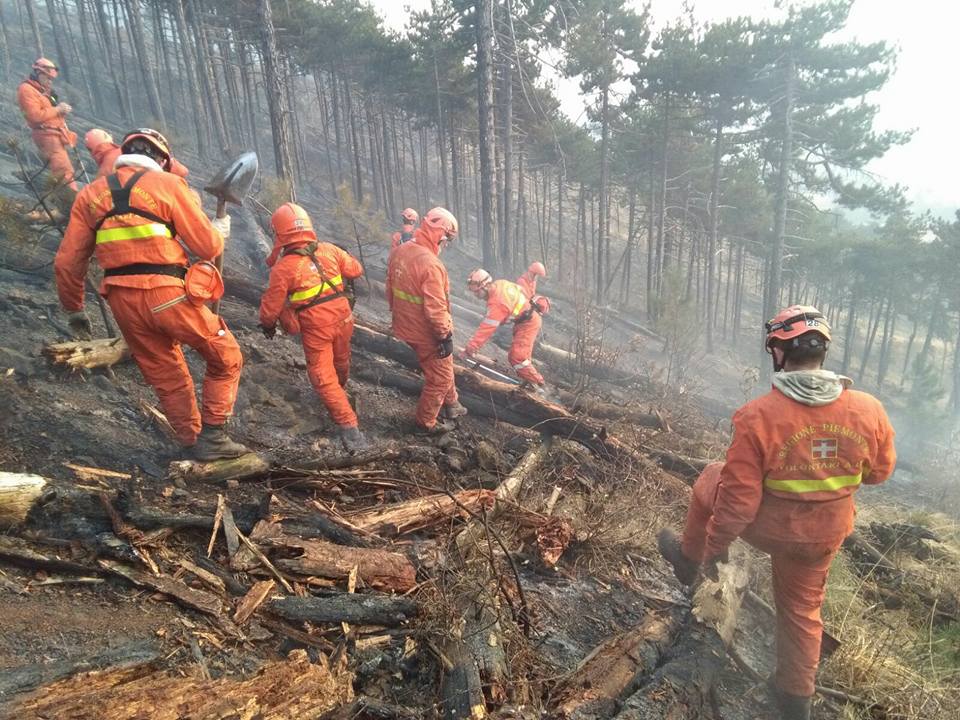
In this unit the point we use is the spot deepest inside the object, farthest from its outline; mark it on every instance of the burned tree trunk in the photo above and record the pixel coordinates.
(276, 97)
(353, 608)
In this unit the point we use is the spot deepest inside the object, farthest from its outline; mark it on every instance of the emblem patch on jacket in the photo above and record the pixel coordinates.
(824, 448)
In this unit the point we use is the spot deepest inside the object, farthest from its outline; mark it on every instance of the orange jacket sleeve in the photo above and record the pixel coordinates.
(275, 296)
(886, 459)
(193, 226)
(496, 314)
(740, 490)
(435, 304)
(73, 257)
(35, 106)
(350, 267)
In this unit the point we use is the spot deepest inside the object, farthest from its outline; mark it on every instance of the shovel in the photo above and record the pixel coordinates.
(232, 184)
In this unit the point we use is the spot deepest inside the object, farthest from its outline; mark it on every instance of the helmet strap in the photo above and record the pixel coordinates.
(779, 358)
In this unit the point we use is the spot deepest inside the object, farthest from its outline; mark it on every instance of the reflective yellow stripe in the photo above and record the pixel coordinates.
(415, 299)
(805, 486)
(324, 288)
(520, 302)
(135, 232)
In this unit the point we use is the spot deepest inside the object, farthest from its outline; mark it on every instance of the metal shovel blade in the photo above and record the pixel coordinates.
(235, 179)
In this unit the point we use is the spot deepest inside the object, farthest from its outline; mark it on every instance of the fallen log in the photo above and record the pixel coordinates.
(252, 600)
(200, 600)
(419, 513)
(461, 692)
(615, 669)
(681, 686)
(353, 608)
(18, 493)
(20, 553)
(88, 354)
(527, 409)
(27, 677)
(376, 568)
(281, 690)
(244, 467)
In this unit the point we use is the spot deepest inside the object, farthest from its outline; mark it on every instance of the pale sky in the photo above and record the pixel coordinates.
(925, 31)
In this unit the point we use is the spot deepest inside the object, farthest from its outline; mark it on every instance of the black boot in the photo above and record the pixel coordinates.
(213, 443)
(453, 411)
(791, 707)
(353, 440)
(685, 569)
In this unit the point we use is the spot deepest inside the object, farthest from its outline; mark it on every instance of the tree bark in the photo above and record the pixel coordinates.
(353, 608)
(484, 11)
(376, 568)
(276, 97)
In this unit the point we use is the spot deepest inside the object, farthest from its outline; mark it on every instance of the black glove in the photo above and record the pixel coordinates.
(269, 332)
(445, 347)
(80, 325)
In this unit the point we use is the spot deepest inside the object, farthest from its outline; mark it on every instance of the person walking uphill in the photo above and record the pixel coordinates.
(132, 220)
(105, 152)
(306, 295)
(798, 455)
(409, 220)
(46, 117)
(507, 302)
(528, 280)
(418, 292)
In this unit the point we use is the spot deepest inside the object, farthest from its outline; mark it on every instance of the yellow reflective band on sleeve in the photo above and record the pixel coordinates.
(804, 486)
(325, 288)
(134, 232)
(415, 299)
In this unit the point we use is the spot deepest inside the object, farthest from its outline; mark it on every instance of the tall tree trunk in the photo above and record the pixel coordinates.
(484, 10)
(663, 254)
(5, 39)
(34, 26)
(250, 94)
(64, 61)
(850, 335)
(112, 59)
(140, 47)
(714, 227)
(603, 239)
(906, 355)
(276, 97)
(506, 122)
(872, 327)
(193, 87)
(456, 173)
(354, 139)
(560, 248)
(774, 278)
(441, 139)
(207, 78)
(889, 330)
(83, 19)
(651, 250)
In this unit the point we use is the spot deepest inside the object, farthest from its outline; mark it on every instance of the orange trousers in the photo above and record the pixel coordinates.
(799, 584)
(439, 388)
(155, 334)
(327, 350)
(55, 153)
(521, 350)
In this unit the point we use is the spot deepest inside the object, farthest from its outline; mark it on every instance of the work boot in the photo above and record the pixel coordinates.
(791, 707)
(684, 568)
(213, 443)
(453, 411)
(441, 427)
(353, 440)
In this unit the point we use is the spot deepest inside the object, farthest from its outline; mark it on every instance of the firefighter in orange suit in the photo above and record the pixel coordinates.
(105, 152)
(528, 281)
(408, 219)
(798, 455)
(418, 292)
(132, 220)
(507, 303)
(307, 295)
(46, 117)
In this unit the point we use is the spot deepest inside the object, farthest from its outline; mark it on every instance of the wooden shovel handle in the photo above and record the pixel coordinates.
(218, 260)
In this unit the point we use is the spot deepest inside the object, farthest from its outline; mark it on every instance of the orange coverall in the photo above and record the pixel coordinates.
(106, 154)
(150, 307)
(506, 302)
(787, 488)
(325, 327)
(418, 292)
(48, 129)
(528, 283)
(405, 234)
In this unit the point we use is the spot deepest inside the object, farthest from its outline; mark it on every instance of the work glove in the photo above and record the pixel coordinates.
(269, 332)
(64, 108)
(80, 325)
(467, 353)
(710, 568)
(222, 226)
(445, 346)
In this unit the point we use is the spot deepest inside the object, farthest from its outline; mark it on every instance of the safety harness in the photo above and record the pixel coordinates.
(319, 293)
(156, 227)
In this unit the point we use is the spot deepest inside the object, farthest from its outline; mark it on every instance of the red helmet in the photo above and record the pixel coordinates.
(442, 218)
(291, 224)
(43, 66)
(96, 137)
(409, 216)
(796, 321)
(478, 280)
(152, 138)
(537, 268)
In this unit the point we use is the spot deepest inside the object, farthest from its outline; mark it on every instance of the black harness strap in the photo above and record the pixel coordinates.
(120, 195)
(310, 252)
